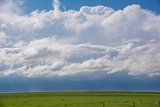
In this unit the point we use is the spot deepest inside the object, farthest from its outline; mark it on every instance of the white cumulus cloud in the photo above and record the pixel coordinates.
(94, 41)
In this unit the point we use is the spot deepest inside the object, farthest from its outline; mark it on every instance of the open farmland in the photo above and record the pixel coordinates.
(80, 99)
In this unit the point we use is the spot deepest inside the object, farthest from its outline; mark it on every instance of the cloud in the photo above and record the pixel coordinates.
(56, 5)
(11, 7)
(3, 37)
(47, 57)
(92, 42)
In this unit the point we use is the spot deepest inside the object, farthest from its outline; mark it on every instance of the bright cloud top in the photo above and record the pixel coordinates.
(92, 42)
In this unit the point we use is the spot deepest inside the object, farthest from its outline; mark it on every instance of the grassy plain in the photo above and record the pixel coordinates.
(80, 99)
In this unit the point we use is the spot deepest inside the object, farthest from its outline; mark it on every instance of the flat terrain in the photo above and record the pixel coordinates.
(80, 99)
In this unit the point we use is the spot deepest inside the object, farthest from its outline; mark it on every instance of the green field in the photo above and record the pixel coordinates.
(80, 99)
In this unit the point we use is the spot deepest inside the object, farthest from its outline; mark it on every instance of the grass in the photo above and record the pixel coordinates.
(80, 99)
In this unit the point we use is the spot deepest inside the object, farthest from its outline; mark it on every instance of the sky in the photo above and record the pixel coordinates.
(53, 45)
(152, 5)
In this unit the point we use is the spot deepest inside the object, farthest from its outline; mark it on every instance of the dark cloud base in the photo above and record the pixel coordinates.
(114, 82)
